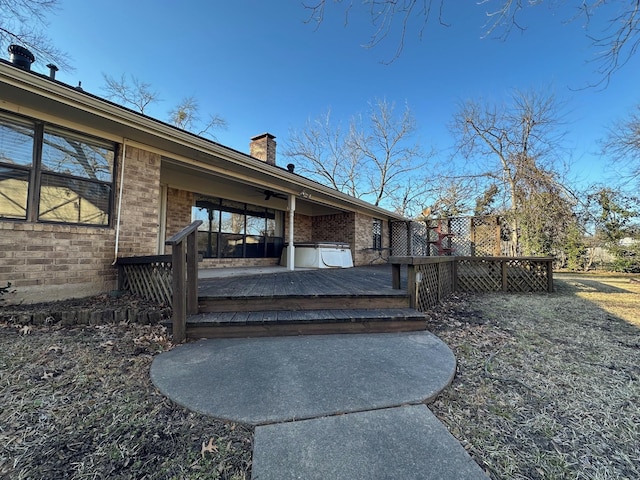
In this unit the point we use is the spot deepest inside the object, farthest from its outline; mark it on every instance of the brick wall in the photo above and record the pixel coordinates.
(179, 203)
(302, 228)
(334, 228)
(140, 203)
(46, 262)
(363, 252)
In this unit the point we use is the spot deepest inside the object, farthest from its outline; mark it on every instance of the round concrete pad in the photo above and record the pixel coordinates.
(278, 379)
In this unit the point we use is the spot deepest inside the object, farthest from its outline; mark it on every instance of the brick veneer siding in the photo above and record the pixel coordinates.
(302, 228)
(46, 262)
(179, 204)
(140, 203)
(363, 252)
(334, 228)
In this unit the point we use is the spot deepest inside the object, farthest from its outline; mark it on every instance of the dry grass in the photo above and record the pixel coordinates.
(548, 386)
(77, 403)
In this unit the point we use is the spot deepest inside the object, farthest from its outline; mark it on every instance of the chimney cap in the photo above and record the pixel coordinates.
(266, 134)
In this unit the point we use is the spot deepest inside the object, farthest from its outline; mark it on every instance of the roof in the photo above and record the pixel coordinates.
(34, 92)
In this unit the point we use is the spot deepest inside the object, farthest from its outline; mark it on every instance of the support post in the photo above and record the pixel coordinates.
(291, 248)
(192, 274)
(395, 276)
(411, 285)
(550, 276)
(179, 306)
(505, 280)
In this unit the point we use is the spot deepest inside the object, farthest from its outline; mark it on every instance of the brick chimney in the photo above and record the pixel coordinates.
(263, 147)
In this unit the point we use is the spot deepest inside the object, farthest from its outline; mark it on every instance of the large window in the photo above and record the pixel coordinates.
(237, 230)
(49, 174)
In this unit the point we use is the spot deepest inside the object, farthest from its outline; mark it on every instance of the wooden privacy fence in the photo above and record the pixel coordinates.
(168, 279)
(429, 279)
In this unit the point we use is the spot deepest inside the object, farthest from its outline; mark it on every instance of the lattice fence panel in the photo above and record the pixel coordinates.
(419, 245)
(526, 275)
(409, 238)
(427, 288)
(152, 281)
(436, 282)
(464, 236)
(481, 275)
(399, 239)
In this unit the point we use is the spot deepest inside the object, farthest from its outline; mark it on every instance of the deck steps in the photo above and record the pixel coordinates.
(250, 303)
(261, 323)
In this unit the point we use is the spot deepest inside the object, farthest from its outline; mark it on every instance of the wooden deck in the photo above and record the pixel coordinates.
(353, 300)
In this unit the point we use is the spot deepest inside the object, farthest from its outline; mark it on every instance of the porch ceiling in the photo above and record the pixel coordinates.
(225, 185)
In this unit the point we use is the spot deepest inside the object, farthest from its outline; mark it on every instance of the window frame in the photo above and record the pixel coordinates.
(36, 172)
(376, 230)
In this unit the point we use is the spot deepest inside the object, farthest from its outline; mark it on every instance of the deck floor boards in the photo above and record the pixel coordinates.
(374, 280)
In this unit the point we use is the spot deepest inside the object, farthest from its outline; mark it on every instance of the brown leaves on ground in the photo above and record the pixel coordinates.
(548, 385)
(78, 403)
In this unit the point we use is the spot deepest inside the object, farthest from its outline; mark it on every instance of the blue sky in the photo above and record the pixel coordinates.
(258, 65)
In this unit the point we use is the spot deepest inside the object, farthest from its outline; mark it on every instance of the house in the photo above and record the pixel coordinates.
(84, 181)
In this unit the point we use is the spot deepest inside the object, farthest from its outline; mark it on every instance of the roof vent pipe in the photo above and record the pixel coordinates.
(291, 167)
(52, 71)
(21, 57)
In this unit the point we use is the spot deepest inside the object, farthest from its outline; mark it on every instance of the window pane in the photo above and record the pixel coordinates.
(71, 154)
(16, 142)
(72, 200)
(231, 245)
(254, 246)
(255, 225)
(232, 223)
(14, 188)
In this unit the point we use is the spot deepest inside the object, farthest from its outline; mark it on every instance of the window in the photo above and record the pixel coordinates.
(237, 230)
(377, 234)
(49, 174)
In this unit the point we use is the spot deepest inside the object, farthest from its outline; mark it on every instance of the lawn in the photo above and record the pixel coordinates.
(547, 386)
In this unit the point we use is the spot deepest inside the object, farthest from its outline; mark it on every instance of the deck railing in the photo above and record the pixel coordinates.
(167, 279)
(429, 279)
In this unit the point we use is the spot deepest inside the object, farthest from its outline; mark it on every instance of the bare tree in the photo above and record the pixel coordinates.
(23, 22)
(372, 160)
(615, 44)
(186, 116)
(140, 95)
(623, 142)
(514, 147)
(130, 93)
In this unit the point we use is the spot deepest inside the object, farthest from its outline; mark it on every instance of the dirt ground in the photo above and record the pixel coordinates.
(547, 386)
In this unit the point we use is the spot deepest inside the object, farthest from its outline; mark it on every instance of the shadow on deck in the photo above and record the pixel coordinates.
(274, 301)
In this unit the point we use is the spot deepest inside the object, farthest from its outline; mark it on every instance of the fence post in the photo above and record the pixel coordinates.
(505, 280)
(179, 293)
(550, 276)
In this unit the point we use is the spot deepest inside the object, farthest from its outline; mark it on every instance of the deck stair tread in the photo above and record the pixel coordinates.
(304, 316)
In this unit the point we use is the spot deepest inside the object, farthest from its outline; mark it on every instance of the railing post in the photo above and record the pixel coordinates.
(395, 276)
(179, 293)
(411, 285)
(192, 274)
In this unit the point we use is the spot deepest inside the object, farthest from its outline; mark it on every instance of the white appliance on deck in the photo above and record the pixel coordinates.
(319, 255)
